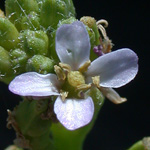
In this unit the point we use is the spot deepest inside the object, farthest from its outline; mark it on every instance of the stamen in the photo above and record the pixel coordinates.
(83, 87)
(63, 94)
(96, 81)
(102, 21)
(85, 66)
(60, 73)
(64, 66)
(103, 31)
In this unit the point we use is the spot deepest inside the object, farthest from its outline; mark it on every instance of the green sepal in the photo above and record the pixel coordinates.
(5, 64)
(34, 42)
(32, 127)
(8, 34)
(53, 11)
(16, 9)
(73, 140)
(18, 59)
(32, 22)
(40, 64)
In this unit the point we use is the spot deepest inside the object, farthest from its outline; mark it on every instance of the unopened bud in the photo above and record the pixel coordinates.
(34, 42)
(5, 63)
(18, 59)
(8, 34)
(16, 9)
(53, 11)
(40, 64)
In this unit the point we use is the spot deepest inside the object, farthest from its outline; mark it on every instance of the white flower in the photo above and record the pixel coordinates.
(115, 69)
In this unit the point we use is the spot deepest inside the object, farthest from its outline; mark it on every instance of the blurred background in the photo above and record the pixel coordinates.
(118, 126)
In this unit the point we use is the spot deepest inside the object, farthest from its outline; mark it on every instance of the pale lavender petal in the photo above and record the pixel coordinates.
(112, 95)
(73, 44)
(115, 69)
(34, 84)
(74, 113)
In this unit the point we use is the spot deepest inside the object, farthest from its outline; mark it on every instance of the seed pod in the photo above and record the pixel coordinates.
(53, 11)
(40, 64)
(18, 59)
(34, 42)
(5, 63)
(32, 22)
(8, 34)
(16, 9)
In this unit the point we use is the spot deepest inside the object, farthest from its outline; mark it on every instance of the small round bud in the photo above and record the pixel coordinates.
(18, 59)
(5, 63)
(53, 11)
(8, 34)
(32, 22)
(34, 42)
(16, 9)
(40, 64)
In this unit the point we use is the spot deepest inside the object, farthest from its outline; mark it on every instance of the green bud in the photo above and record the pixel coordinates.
(91, 23)
(93, 33)
(40, 64)
(32, 22)
(16, 9)
(53, 11)
(8, 34)
(18, 59)
(5, 63)
(34, 42)
(66, 21)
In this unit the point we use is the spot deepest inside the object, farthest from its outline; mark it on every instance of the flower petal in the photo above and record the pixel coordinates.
(73, 44)
(34, 84)
(116, 68)
(112, 95)
(74, 113)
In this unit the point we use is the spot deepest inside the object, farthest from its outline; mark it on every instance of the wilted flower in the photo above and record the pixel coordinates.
(76, 74)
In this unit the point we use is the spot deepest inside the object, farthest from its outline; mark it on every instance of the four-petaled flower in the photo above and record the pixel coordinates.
(111, 70)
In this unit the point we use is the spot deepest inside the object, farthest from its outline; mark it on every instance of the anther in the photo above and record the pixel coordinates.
(63, 94)
(96, 81)
(83, 87)
(64, 66)
(85, 66)
(60, 73)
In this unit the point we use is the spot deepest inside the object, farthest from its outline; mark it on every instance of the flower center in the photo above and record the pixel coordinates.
(75, 78)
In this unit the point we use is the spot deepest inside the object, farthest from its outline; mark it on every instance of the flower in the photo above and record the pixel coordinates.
(75, 72)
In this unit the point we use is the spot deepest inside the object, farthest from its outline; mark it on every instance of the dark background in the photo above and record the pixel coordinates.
(118, 126)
